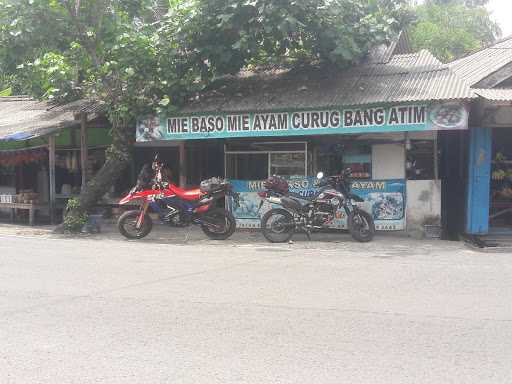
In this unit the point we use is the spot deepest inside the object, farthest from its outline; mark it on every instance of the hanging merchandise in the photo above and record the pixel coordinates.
(19, 157)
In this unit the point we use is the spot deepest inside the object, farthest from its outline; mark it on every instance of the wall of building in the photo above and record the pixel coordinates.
(423, 201)
(423, 205)
(388, 161)
(496, 116)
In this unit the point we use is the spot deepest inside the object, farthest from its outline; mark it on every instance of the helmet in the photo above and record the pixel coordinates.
(277, 184)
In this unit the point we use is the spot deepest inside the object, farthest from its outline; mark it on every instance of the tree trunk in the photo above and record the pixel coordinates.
(118, 157)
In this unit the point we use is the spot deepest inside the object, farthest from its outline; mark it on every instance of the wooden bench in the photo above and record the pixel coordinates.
(31, 208)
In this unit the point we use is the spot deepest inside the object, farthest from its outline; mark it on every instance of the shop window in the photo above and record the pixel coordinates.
(247, 166)
(258, 160)
(334, 158)
(359, 160)
(251, 146)
(288, 164)
(420, 160)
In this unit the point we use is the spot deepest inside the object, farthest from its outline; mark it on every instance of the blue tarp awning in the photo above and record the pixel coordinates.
(20, 136)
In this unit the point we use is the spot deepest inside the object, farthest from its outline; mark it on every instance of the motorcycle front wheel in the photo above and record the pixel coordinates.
(219, 224)
(278, 225)
(127, 225)
(361, 226)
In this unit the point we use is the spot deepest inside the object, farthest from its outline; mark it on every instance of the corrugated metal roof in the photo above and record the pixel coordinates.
(23, 118)
(81, 106)
(382, 53)
(505, 43)
(495, 94)
(417, 77)
(481, 64)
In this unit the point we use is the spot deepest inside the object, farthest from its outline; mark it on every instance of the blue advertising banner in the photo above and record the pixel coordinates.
(383, 199)
(400, 118)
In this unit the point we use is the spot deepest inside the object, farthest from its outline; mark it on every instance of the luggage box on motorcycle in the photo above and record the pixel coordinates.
(213, 185)
(277, 184)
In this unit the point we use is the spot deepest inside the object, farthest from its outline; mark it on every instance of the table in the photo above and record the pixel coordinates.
(32, 208)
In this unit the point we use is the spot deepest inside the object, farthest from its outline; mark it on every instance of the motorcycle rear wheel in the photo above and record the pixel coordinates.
(361, 226)
(220, 217)
(278, 225)
(127, 225)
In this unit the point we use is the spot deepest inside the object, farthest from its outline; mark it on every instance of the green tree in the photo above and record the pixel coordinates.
(453, 28)
(229, 34)
(467, 3)
(142, 56)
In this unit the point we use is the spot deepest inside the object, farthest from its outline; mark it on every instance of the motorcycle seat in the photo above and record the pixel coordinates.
(300, 200)
(186, 194)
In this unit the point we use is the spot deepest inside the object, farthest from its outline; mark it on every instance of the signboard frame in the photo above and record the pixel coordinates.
(323, 121)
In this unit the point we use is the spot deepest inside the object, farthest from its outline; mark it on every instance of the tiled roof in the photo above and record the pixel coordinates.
(479, 65)
(417, 77)
(22, 118)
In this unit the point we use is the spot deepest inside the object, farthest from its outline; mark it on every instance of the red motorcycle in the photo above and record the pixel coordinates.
(177, 206)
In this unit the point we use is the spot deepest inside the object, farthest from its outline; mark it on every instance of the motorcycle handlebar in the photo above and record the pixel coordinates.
(334, 178)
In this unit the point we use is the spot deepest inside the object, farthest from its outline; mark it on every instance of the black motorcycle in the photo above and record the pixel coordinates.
(313, 213)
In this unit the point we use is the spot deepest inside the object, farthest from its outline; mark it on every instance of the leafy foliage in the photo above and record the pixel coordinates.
(48, 76)
(467, 3)
(77, 219)
(6, 92)
(222, 36)
(453, 28)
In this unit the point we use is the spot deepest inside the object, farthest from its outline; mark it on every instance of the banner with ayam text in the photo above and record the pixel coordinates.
(399, 118)
(383, 199)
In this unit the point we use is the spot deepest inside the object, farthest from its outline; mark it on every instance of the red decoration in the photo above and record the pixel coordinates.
(23, 156)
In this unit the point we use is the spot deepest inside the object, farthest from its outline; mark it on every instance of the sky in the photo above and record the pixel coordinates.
(502, 13)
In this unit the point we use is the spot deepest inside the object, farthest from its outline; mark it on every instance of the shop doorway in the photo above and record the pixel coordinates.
(452, 171)
(500, 215)
(204, 159)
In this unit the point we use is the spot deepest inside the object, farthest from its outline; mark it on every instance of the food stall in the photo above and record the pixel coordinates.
(382, 118)
(47, 153)
(389, 148)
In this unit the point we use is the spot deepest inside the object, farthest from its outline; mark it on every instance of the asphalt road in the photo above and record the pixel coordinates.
(393, 311)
